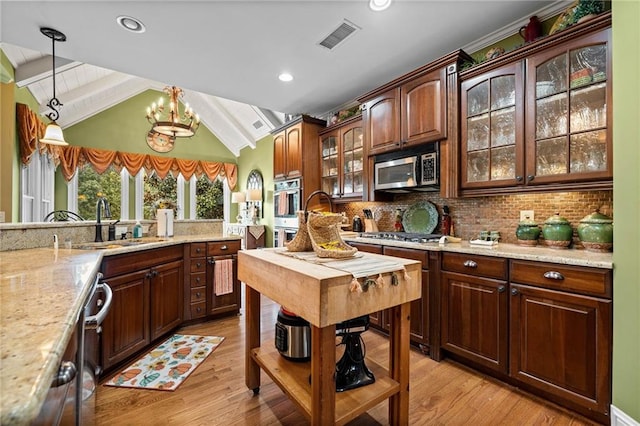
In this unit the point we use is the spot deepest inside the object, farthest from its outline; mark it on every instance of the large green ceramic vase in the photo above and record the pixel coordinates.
(557, 232)
(596, 232)
(528, 232)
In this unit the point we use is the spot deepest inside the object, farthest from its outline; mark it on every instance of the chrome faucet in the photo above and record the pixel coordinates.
(104, 204)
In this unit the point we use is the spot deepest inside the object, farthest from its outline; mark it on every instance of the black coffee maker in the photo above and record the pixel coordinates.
(357, 224)
(351, 372)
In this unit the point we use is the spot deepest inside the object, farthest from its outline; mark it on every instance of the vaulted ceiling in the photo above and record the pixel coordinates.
(227, 55)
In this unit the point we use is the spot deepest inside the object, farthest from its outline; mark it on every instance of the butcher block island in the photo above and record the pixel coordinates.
(325, 295)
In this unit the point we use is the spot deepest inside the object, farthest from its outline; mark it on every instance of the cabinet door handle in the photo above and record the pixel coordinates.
(553, 275)
(198, 250)
(198, 280)
(224, 247)
(198, 265)
(519, 178)
(501, 289)
(530, 177)
(211, 261)
(514, 292)
(198, 294)
(470, 264)
(147, 275)
(198, 309)
(154, 273)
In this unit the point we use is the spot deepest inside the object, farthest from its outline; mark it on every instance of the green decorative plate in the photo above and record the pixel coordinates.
(421, 217)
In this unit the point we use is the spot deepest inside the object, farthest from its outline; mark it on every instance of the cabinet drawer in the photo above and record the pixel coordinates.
(581, 279)
(220, 248)
(198, 294)
(198, 279)
(198, 265)
(489, 267)
(198, 309)
(198, 249)
(419, 255)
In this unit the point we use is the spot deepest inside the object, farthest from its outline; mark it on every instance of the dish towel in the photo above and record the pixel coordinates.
(283, 199)
(223, 277)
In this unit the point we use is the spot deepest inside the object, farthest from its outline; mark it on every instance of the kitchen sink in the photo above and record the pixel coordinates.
(117, 244)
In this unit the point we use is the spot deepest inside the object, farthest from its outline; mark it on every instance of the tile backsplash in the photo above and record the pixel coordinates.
(492, 213)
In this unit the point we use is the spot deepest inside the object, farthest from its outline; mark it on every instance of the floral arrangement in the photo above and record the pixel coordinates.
(165, 204)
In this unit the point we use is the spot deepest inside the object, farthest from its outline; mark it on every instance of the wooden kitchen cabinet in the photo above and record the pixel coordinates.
(196, 281)
(407, 115)
(540, 117)
(420, 308)
(295, 150)
(223, 303)
(147, 300)
(475, 309)
(561, 333)
(342, 159)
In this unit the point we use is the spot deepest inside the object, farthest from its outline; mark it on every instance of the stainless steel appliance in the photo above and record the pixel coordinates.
(282, 235)
(293, 336)
(71, 398)
(287, 201)
(416, 169)
(403, 236)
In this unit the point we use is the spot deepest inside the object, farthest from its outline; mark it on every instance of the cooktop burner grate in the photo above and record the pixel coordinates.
(403, 236)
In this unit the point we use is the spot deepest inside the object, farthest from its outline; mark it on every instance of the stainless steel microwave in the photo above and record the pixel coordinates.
(411, 170)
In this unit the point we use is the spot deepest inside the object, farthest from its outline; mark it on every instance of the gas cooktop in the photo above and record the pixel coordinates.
(403, 236)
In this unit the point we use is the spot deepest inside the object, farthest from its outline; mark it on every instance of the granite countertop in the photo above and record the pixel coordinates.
(510, 251)
(41, 295)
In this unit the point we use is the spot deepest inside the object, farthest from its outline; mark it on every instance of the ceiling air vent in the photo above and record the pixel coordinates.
(257, 124)
(338, 35)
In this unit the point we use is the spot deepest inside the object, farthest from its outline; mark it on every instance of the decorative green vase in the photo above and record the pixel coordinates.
(557, 232)
(528, 232)
(596, 232)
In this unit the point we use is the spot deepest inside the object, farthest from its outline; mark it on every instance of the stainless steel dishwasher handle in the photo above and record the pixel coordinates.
(66, 373)
(92, 322)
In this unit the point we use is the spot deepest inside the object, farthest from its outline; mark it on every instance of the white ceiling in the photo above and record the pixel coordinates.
(227, 54)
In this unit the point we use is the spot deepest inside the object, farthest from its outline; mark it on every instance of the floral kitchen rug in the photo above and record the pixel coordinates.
(167, 365)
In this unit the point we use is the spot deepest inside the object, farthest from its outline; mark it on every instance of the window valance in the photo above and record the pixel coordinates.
(69, 158)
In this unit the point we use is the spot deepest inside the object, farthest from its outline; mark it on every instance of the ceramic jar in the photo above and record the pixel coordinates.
(596, 232)
(528, 232)
(557, 232)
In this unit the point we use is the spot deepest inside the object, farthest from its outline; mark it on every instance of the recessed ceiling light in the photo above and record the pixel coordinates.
(131, 24)
(285, 76)
(378, 5)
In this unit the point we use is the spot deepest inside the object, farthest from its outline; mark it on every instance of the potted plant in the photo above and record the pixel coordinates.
(587, 9)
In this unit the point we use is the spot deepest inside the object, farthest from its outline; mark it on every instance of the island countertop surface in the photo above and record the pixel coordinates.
(41, 295)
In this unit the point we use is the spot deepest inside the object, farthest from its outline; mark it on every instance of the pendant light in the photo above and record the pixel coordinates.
(53, 134)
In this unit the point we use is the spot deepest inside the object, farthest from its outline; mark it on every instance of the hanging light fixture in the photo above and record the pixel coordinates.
(53, 134)
(173, 124)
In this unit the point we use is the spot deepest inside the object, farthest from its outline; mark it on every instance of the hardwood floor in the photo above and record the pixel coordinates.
(442, 393)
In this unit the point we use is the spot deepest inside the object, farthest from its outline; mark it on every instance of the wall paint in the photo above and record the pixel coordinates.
(626, 202)
(260, 158)
(124, 127)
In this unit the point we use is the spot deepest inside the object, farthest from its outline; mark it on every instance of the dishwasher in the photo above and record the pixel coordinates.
(71, 396)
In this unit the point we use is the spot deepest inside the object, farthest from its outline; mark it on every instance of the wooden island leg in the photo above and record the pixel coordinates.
(323, 382)
(399, 363)
(252, 338)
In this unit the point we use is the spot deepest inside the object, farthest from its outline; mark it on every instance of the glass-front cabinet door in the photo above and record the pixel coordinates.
(568, 112)
(352, 160)
(330, 165)
(342, 154)
(492, 129)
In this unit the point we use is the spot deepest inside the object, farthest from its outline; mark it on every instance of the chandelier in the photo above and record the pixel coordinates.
(173, 124)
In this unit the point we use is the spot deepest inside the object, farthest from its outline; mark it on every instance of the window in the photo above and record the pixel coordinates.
(92, 185)
(159, 193)
(209, 198)
(36, 187)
